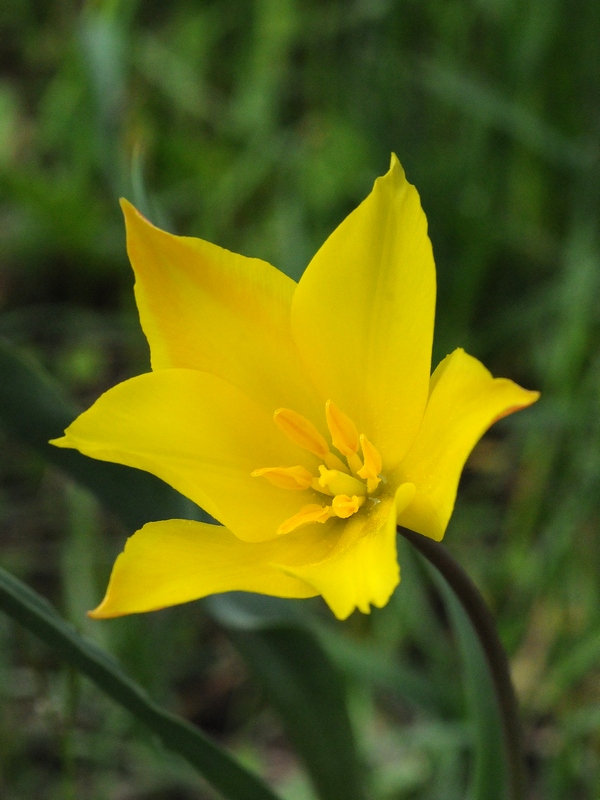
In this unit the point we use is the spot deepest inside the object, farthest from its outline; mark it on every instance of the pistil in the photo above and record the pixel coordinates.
(341, 483)
(343, 435)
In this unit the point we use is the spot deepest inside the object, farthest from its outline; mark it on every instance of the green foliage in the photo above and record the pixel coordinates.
(301, 684)
(223, 772)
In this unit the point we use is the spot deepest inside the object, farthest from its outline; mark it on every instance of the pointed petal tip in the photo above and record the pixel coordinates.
(128, 209)
(132, 214)
(109, 608)
(529, 397)
(395, 173)
(100, 612)
(61, 441)
(376, 269)
(394, 179)
(465, 400)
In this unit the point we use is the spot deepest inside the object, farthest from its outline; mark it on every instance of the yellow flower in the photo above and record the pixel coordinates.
(300, 416)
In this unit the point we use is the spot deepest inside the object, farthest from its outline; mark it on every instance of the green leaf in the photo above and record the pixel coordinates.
(301, 683)
(222, 771)
(368, 665)
(489, 775)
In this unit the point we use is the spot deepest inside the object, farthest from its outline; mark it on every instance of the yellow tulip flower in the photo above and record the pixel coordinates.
(301, 416)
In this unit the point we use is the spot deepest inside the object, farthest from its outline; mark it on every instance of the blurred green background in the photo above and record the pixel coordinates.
(259, 124)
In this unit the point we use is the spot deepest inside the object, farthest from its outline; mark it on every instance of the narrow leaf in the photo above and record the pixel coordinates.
(379, 669)
(302, 685)
(217, 767)
(489, 775)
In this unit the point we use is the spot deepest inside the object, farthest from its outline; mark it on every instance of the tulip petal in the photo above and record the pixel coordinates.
(465, 400)
(361, 568)
(352, 564)
(175, 561)
(362, 315)
(202, 436)
(203, 307)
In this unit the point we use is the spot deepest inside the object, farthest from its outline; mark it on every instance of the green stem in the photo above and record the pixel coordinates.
(485, 628)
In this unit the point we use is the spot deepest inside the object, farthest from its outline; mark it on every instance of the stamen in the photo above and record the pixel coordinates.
(343, 434)
(345, 506)
(301, 431)
(333, 462)
(372, 467)
(343, 431)
(310, 513)
(296, 478)
(348, 492)
(340, 482)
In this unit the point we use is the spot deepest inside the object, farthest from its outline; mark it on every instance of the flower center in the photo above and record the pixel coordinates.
(347, 481)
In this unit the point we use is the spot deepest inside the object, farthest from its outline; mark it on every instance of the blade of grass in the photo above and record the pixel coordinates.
(488, 778)
(220, 769)
(303, 686)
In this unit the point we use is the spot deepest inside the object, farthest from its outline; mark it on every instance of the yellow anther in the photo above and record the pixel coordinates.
(301, 431)
(347, 491)
(344, 506)
(297, 478)
(343, 431)
(310, 513)
(354, 462)
(372, 466)
(340, 482)
(372, 484)
(343, 435)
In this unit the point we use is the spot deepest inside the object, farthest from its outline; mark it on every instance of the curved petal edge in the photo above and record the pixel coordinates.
(363, 313)
(362, 568)
(464, 401)
(203, 307)
(176, 561)
(202, 436)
